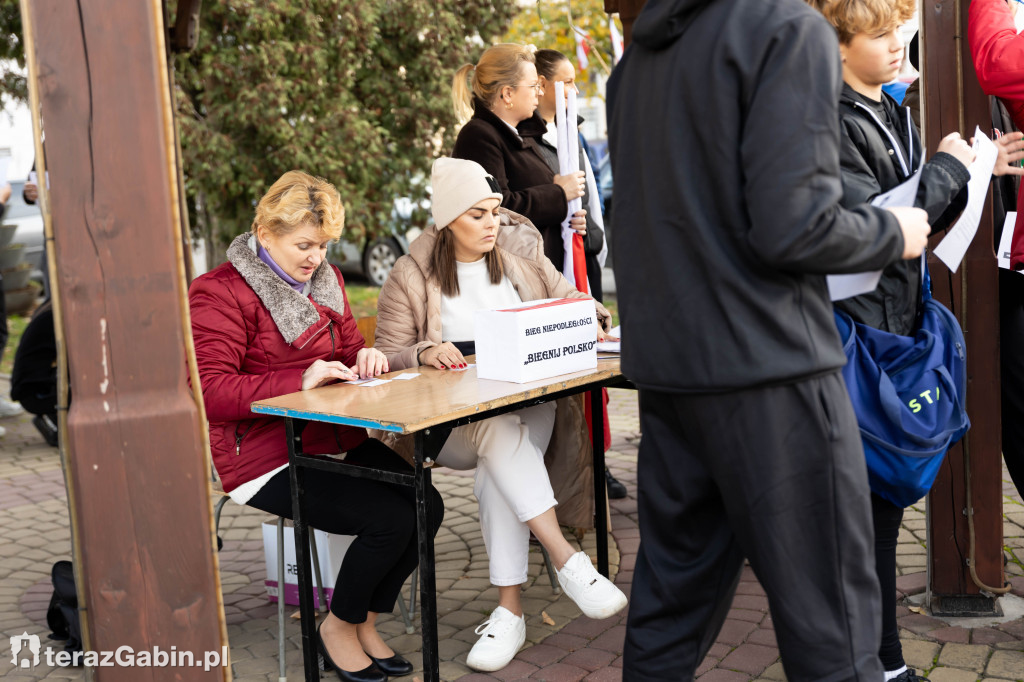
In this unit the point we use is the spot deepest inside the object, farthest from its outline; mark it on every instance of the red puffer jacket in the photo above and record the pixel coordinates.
(254, 336)
(998, 54)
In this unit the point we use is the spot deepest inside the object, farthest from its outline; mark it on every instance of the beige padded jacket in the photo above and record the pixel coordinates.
(409, 320)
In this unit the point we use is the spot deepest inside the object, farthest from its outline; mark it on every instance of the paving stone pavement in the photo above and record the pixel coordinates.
(34, 533)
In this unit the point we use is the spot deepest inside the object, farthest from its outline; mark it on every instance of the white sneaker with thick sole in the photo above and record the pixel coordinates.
(502, 635)
(596, 596)
(10, 409)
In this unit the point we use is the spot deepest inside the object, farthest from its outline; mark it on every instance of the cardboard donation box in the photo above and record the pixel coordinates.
(536, 340)
(330, 550)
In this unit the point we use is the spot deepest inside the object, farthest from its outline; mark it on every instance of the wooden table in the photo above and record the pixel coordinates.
(427, 407)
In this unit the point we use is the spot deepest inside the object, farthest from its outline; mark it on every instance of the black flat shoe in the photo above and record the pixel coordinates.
(395, 666)
(616, 490)
(370, 673)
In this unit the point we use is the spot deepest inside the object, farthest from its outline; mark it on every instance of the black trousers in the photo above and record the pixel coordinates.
(887, 518)
(1011, 356)
(773, 474)
(382, 516)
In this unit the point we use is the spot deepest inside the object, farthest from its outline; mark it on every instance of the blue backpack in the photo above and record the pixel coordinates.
(909, 396)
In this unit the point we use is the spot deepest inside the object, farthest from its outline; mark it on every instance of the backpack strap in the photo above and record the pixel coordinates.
(926, 278)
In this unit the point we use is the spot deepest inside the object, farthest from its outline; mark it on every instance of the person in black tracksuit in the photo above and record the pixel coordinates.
(723, 127)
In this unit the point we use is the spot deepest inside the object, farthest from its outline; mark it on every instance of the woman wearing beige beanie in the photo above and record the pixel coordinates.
(478, 256)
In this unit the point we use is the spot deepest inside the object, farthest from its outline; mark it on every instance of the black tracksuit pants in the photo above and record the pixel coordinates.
(773, 474)
(381, 515)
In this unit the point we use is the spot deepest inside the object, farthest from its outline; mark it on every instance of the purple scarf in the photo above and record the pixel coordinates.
(265, 257)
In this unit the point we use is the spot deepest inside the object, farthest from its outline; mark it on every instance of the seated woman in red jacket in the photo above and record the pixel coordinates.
(273, 320)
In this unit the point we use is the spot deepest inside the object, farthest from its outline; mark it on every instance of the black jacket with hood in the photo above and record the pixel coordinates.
(725, 151)
(873, 162)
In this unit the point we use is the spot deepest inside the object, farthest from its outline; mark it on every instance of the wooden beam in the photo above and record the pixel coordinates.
(135, 463)
(628, 10)
(953, 101)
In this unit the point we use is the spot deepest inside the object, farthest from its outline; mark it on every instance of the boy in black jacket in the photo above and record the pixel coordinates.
(880, 149)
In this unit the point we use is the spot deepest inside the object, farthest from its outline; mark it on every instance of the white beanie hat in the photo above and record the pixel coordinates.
(458, 184)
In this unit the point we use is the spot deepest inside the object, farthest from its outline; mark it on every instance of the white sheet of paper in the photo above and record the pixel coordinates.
(5, 162)
(904, 194)
(463, 369)
(374, 382)
(609, 346)
(952, 249)
(1018, 19)
(1006, 241)
(405, 376)
(359, 382)
(855, 284)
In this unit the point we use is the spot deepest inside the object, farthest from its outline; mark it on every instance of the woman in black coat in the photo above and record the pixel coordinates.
(502, 135)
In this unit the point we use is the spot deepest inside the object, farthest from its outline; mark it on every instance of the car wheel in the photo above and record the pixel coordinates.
(378, 259)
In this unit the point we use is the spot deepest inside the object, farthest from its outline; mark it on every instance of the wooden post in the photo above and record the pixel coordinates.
(628, 11)
(953, 101)
(144, 549)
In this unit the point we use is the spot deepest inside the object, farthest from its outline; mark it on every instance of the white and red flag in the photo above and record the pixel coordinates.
(616, 40)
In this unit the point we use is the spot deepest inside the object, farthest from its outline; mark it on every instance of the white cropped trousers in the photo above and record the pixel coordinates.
(511, 482)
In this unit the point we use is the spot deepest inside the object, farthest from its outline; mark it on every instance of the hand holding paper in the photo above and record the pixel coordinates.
(952, 249)
(914, 224)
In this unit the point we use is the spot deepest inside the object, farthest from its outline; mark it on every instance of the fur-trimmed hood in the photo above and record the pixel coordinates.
(292, 312)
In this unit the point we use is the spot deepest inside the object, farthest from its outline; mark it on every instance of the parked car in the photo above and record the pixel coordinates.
(30, 229)
(374, 257)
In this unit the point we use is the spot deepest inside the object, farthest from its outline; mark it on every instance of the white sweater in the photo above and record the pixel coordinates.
(475, 293)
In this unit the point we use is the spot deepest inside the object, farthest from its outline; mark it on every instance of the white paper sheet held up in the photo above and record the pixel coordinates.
(952, 249)
(855, 284)
(5, 162)
(1006, 241)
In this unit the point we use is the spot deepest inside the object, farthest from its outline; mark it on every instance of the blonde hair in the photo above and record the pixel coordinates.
(298, 199)
(850, 17)
(499, 66)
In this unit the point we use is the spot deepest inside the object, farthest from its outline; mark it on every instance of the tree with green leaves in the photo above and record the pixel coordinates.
(551, 23)
(355, 92)
(12, 55)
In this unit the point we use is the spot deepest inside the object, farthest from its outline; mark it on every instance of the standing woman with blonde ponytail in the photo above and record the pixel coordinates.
(498, 99)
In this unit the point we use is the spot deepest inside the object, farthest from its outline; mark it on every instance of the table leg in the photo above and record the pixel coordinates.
(305, 568)
(428, 592)
(600, 489)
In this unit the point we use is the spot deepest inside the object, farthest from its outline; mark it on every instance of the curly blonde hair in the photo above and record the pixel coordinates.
(298, 199)
(499, 65)
(850, 17)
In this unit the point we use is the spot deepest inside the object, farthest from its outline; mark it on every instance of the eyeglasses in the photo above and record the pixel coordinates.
(537, 87)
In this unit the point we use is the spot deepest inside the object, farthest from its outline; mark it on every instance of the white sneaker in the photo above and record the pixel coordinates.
(10, 409)
(596, 596)
(501, 637)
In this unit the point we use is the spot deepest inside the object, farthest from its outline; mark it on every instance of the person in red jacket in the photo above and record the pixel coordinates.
(273, 320)
(998, 54)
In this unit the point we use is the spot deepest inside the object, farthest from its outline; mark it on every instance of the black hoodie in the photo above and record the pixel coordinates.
(725, 150)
